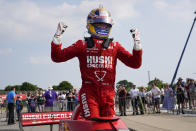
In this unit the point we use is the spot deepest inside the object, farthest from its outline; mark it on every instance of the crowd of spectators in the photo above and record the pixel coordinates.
(38, 101)
(50, 100)
(181, 96)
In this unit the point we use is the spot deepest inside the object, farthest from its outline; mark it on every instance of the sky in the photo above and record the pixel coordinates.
(27, 28)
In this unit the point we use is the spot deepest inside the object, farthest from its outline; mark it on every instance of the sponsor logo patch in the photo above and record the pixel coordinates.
(99, 61)
(85, 105)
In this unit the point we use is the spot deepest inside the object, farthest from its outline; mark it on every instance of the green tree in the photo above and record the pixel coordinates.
(26, 86)
(17, 87)
(8, 88)
(125, 83)
(55, 87)
(158, 83)
(64, 85)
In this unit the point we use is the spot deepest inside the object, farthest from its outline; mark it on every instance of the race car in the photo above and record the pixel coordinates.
(77, 123)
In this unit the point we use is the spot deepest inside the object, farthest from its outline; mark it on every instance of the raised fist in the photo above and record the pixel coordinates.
(60, 29)
(136, 37)
(135, 34)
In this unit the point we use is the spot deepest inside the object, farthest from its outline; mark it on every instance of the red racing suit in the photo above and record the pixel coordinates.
(98, 69)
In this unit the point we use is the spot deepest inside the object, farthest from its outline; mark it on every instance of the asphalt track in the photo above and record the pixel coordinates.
(148, 122)
(161, 122)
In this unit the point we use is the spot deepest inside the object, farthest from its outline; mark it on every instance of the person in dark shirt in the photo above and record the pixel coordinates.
(122, 100)
(19, 107)
(70, 101)
(28, 101)
(181, 82)
(40, 101)
(32, 101)
(180, 98)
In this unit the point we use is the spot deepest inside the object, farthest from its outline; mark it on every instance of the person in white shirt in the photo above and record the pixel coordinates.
(63, 101)
(134, 93)
(156, 93)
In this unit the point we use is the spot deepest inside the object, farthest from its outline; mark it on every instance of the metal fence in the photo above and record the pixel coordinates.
(147, 107)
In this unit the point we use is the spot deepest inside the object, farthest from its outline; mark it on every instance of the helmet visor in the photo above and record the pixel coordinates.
(100, 19)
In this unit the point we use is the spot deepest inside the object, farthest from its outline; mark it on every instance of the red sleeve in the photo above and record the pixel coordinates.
(131, 60)
(61, 55)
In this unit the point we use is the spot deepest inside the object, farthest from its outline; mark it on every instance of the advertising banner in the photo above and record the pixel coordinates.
(44, 118)
(22, 96)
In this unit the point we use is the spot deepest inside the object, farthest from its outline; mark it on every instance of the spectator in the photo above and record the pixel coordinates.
(62, 99)
(1, 104)
(19, 107)
(168, 102)
(28, 102)
(128, 100)
(32, 103)
(192, 88)
(122, 100)
(40, 101)
(11, 98)
(143, 98)
(180, 98)
(76, 100)
(181, 82)
(150, 104)
(59, 101)
(162, 94)
(70, 100)
(156, 97)
(65, 101)
(50, 97)
(187, 99)
(134, 92)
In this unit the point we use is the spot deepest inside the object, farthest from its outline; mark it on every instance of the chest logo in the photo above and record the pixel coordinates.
(100, 75)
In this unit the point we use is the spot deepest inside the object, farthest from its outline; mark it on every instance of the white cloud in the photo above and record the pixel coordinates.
(160, 4)
(39, 60)
(181, 10)
(119, 10)
(26, 20)
(6, 51)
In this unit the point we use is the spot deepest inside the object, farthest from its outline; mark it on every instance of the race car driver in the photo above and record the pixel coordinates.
(97, 57)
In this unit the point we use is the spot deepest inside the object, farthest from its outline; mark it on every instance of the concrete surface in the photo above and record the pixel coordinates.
(161, 122)
(147, 122)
